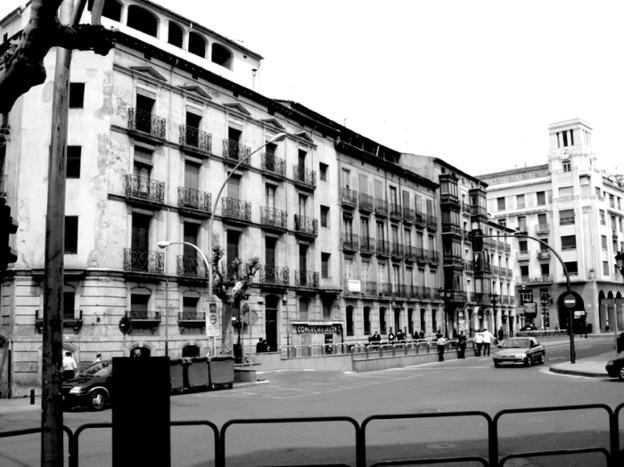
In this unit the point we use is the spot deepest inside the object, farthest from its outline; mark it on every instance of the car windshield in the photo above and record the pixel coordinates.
(95, 369)
(517, 344)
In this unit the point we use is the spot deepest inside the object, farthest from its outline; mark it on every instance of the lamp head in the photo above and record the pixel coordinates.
(163, 244)
(278, 137)
(619, 260)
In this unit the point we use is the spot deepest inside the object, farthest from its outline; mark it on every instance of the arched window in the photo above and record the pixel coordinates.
(112, 9)
(367, 321)
(349, 320)
(197, 44)
(140, 352)
(221, 56)
(142, 20)
(382, 320)
(175, 34)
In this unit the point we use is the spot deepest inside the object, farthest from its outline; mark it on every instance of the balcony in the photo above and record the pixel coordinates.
(367, 203)
(194, 202)
(422, 256)
(146, 126)
(272, 166)
(189, 266)
(273, 219)
(454, 295)
(306, 226)
(367, 246)
(383, 248)
(192, 318)
(381, 207)
(396, 213)
(195, 141)
(468, 266)
(144, 191)
(434, 258)
(522, 256)
(396, 250)
(385, 288)
(449, 199)
(348, 198)
(235, 210)
(478, 211)
(304, 178)
(68, 322)
(482, 267)
(544, 279)
(144, 263)
(143, 319)
(542, 229)
(543, 255)
(409, 253)
(432, 223)
(451, 260)
(409, 216)
(369, 288)
(350, 243)
(451, 228)
(421, 220)
(233, 152)
(274, 277)
(308, 279)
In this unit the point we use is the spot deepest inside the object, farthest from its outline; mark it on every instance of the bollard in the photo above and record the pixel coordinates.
(32, 397)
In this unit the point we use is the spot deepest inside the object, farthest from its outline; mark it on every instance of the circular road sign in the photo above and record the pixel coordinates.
(213, 319)
(569, 301)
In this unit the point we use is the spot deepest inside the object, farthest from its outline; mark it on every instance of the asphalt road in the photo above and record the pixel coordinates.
(456, 385)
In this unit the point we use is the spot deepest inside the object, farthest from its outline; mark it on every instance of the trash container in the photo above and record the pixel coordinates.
(620, 343)
(198, 373)
(176, 374)
(222, 371)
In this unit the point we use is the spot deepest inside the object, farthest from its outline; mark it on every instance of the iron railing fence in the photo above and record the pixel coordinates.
(364, 440)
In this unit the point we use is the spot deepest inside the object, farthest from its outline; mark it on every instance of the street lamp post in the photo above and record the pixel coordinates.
(493, 297)
(275, 139)
(163, 245)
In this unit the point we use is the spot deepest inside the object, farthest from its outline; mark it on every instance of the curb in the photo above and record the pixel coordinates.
(587, 374)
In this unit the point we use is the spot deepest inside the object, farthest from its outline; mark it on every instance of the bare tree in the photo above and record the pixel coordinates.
(21, 62)
(230, 285)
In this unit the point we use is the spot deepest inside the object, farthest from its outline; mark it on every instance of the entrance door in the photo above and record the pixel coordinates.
(270, 322)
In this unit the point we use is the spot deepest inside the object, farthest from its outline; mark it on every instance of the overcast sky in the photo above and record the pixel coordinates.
(475, 82)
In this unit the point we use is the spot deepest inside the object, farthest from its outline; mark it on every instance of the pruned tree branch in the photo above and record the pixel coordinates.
(21, 65)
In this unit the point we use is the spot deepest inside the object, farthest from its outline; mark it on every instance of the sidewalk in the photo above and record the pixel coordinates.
(591, 367)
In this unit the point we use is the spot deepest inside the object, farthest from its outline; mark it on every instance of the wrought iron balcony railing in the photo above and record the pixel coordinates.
(409, 252)
(422, 255)
(432, 223)
(69, 321)
(146, 122)
(304, 176)
(151, 317)
(195, 138)
(383, 248)
(421, 220)
(234, 151)
(191, 198)
(541, 229)
(191, 266)
(138, 260)
(395, 211)
(367, 202)
(236, 209)
(348, 197)
(434, 257)
(367, 245)
(274, 275)
(385, 288)
(349, 242)
(306, 225)
(396, 249)
(381, 207)
(141, 187)
(304, 278)
(409, 215)
(273, 165)
(189, 317)
(273, 217)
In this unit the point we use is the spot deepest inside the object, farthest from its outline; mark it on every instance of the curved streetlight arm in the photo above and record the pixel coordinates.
(165, 244)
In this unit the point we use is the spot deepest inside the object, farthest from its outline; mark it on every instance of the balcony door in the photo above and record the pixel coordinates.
(191, 175)
(269, 258)
(144, 107)
(303, 263)
(191, 232)
(140, 232)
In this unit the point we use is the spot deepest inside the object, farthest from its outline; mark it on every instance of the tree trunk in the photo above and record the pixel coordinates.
(226, 328)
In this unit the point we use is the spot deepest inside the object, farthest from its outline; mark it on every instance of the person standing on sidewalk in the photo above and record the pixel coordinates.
(441, 343)
(461, 345)
(478, 340)
(69, 366)
(488, 337)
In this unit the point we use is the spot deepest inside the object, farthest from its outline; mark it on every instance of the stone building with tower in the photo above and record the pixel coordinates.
(576, 208)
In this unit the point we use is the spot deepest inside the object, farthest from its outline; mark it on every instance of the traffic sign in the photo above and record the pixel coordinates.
(212, 329)
(569, 301)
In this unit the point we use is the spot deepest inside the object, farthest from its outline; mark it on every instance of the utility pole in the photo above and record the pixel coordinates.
(52, 347)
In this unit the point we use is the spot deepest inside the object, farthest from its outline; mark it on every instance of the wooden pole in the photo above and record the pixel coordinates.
(52, 346)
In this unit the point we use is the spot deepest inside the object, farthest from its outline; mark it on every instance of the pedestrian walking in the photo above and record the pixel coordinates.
(68, 366)
(478, 340)
(461, 345)
(441, 343)
(501, 334)
(488, 337)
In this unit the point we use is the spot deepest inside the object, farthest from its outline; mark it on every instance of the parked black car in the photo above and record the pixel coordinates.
(91, 388)
(615, 368)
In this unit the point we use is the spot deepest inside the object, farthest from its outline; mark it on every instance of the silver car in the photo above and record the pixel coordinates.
(525, 350)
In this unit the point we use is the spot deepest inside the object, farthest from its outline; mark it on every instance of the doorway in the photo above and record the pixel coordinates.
(270, 322)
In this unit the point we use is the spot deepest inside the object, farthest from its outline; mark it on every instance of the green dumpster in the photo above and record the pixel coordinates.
(222, 371)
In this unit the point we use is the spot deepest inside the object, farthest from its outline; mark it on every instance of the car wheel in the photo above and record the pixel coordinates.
(497, 365)
(528, 361)
(621, 374)
(541, 359)
(98, 399)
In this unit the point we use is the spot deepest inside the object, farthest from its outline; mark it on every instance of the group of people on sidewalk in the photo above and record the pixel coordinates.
(483, 340)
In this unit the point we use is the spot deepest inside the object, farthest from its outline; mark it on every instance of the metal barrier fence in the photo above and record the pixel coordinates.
(408, 347)
(612, 456)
